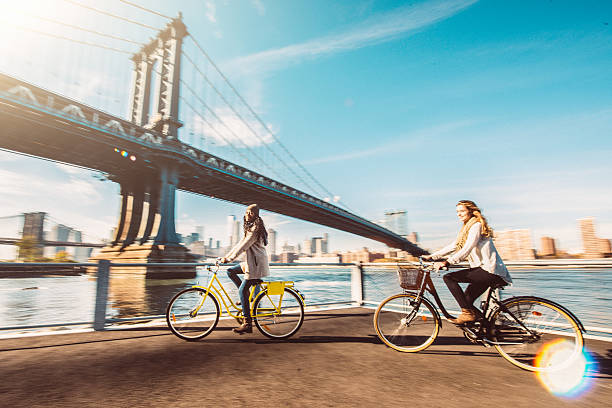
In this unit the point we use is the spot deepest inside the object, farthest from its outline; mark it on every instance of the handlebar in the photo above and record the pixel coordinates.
(429, 266)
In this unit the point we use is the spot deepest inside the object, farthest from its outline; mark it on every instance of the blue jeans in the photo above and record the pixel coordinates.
(243, 288)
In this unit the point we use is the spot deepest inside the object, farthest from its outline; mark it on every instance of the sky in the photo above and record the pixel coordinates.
(390, 105)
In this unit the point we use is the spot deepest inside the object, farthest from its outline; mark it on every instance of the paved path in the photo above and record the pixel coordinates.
(334, 361)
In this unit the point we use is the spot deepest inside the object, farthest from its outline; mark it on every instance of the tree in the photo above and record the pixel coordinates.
(29, 249)
(62, 257)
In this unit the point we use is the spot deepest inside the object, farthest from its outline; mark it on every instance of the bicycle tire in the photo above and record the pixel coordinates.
(405, 328)
(530, 327)
(188, 318)
(277, 325)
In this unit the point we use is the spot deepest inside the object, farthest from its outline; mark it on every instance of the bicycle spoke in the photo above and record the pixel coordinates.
(527, 326)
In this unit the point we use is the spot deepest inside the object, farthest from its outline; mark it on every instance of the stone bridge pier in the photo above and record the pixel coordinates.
(145, 231)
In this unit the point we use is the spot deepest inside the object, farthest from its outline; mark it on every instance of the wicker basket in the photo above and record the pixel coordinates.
(410, 277)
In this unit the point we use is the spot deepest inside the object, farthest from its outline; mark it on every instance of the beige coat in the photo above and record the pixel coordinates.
(256, 265)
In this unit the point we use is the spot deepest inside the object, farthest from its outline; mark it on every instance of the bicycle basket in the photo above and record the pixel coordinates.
(410, 277)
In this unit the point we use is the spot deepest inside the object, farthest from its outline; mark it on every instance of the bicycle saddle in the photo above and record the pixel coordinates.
(499, 285)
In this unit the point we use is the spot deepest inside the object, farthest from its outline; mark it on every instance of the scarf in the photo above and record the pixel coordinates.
(462, 237)
(258, 228)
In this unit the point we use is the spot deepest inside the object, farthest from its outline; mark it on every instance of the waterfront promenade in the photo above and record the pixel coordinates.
(334, 360)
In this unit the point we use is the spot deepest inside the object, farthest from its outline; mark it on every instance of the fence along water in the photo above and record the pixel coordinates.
(104, 298)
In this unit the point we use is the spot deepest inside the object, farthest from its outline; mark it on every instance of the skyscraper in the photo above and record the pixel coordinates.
(593, 247)
(514, 244)
(307, 247)
(548, 246)
(233, 230)
(60, 233)
(272, 243)
(397, 221)
(230, 228)
(236, 232)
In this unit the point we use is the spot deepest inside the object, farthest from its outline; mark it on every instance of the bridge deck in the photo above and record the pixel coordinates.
(335, 360)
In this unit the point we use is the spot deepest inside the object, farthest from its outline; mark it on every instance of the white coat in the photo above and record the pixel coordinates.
(479, 251)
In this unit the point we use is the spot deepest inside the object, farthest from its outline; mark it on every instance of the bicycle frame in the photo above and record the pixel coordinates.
(267, 289)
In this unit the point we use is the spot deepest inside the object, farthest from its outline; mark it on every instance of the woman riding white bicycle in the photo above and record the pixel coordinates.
(475, 243)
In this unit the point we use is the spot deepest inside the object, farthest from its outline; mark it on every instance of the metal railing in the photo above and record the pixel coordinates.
(359, 284)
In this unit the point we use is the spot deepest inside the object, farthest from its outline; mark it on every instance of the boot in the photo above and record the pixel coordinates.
(466, 316)
(246, 327)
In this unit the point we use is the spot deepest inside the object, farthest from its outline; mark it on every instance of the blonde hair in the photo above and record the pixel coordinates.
(475, 212)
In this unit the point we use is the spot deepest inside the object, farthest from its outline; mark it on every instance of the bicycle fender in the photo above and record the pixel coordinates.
(563, 308)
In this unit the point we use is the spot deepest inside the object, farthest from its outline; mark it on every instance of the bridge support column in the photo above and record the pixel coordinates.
(146, 231)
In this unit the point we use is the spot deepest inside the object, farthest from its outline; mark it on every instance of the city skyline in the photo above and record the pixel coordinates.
(392, 105)
(513, 244)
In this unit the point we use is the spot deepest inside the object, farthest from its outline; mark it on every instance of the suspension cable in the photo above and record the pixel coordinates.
(216, 131)
(83, 29)
(257, 117)
(146, 9)
(228, 128)
(61, 37)
(245, 122)
(76, 3)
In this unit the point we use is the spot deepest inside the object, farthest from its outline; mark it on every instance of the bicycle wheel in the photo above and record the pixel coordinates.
(404, 325)
(528, 329)
(192, 314)
(278, 316)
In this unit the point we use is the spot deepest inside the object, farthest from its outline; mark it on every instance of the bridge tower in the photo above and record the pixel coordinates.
(146, 228)
(33, 224)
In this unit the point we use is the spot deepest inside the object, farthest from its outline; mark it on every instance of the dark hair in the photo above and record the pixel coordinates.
(256, 225)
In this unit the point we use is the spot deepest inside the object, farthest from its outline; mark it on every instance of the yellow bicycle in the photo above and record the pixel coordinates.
(277, 310)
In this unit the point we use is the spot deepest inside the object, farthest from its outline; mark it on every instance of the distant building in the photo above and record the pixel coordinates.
(363, 255)
(233, 230)
(606, 246)
(514, 244)
(307, 247)
(548, 247)
(413, 237)
(287, 248)
(272, 245)
(81, 254)
(60, 233)
(397, 221)
(327, 258)
(287, 257)
(593, 247)
(319, 246)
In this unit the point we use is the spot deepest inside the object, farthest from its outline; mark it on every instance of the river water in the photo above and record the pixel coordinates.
(587, 292)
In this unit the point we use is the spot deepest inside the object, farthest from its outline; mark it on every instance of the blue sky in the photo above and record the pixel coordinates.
(390, 105)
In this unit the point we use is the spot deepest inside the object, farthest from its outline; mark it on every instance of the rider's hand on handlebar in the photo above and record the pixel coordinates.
(427, 257)
(440, 265)
(221, 260)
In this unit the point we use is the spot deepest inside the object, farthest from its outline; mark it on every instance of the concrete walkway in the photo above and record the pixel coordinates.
(335, 360)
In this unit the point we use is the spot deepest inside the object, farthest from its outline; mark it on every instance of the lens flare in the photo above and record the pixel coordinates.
(571, 379)
(133, 158)
(124, 153)
(116, 150)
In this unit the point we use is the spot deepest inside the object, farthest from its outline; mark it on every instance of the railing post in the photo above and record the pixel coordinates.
(357, 284)
(101, 294)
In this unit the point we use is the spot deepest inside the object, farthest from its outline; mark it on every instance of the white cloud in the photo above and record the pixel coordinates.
(230, 129)
(259, 6)
(378, 29)
(211, 11)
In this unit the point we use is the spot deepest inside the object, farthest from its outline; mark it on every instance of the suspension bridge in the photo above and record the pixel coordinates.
(187, 127)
